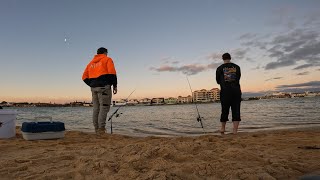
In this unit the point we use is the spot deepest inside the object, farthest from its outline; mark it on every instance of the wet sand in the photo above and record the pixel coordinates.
(281, 154)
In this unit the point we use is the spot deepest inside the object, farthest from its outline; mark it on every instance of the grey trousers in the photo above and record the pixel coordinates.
(101, 99)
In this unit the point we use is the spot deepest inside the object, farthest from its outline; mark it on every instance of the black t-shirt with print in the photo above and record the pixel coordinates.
(228, 76)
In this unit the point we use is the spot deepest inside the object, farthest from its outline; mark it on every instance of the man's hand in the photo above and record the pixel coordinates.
(115, 90)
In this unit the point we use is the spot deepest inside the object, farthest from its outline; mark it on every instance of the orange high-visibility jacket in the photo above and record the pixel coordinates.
(100, 72)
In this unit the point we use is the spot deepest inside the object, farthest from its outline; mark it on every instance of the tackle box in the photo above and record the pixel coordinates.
(38, 130)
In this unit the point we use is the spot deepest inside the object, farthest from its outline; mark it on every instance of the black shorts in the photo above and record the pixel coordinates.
(230, 98)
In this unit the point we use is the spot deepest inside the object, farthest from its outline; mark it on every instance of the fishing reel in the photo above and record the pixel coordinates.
(199, 119)
(118, 114)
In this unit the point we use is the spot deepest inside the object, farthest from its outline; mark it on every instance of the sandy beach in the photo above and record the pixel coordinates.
(281, 154)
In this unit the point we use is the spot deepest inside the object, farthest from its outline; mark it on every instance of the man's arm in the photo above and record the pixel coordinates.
(85, 76)
(113, 73)
(218, 75)
(238, 73)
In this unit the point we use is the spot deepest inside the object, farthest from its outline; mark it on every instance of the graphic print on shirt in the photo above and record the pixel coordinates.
(230, 74)
(94, 65)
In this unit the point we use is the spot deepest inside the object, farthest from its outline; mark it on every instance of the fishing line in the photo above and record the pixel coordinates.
(115, 113)
(199, 118)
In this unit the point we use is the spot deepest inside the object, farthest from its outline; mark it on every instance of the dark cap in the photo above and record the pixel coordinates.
(226, 56)
(102, 50)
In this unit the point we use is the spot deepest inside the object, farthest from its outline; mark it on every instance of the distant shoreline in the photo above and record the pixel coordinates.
(84, 104)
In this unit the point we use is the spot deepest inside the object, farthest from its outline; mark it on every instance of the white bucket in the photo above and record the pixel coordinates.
(7, 123)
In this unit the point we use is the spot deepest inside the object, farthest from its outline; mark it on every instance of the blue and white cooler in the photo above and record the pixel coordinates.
(38, 130)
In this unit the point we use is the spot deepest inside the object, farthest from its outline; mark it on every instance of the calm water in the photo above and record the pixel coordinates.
(171, 120)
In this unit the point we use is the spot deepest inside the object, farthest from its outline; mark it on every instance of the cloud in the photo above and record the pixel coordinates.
(164, 68)
(312, 19)
(275, 78)
(195, 68)
(250, 59)
(275, 51)
(190, 69)
(247, 36)
(298, 43)
(169, 60)
(213, 65)
(303, 66)
(293, 46)
(311, 89)
(236, 54)
(296, 46)
(311, 84)
(215, 56)
(256, 68)
(303, 73)
(286, 49)
(290, 89)
(239, 53)
(257, 42)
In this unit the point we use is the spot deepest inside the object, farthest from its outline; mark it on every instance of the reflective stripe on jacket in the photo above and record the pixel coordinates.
(100, 72)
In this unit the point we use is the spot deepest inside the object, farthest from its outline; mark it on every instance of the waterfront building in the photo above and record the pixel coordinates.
(214, 94)
(132, 102)
(170, 100)
(204, 95)
(294, 95)
(157, 101)
(310, 94)
(200, 96)
(277, 95)
(183, 100)
(145, 101)
(121, 102)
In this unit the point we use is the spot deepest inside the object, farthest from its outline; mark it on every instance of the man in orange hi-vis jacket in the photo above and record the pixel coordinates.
(100, 74)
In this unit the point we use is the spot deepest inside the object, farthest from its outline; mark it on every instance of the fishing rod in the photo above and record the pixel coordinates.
(116, 111)
(199, 118)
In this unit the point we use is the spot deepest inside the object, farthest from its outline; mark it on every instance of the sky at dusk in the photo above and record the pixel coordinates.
(45, 46)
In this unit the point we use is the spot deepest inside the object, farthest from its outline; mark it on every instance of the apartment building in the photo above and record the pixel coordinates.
(182, 100)
(200, 96)
(214, 94)
(204, 95)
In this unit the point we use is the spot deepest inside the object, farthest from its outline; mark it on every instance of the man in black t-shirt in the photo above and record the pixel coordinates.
(228, 76)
